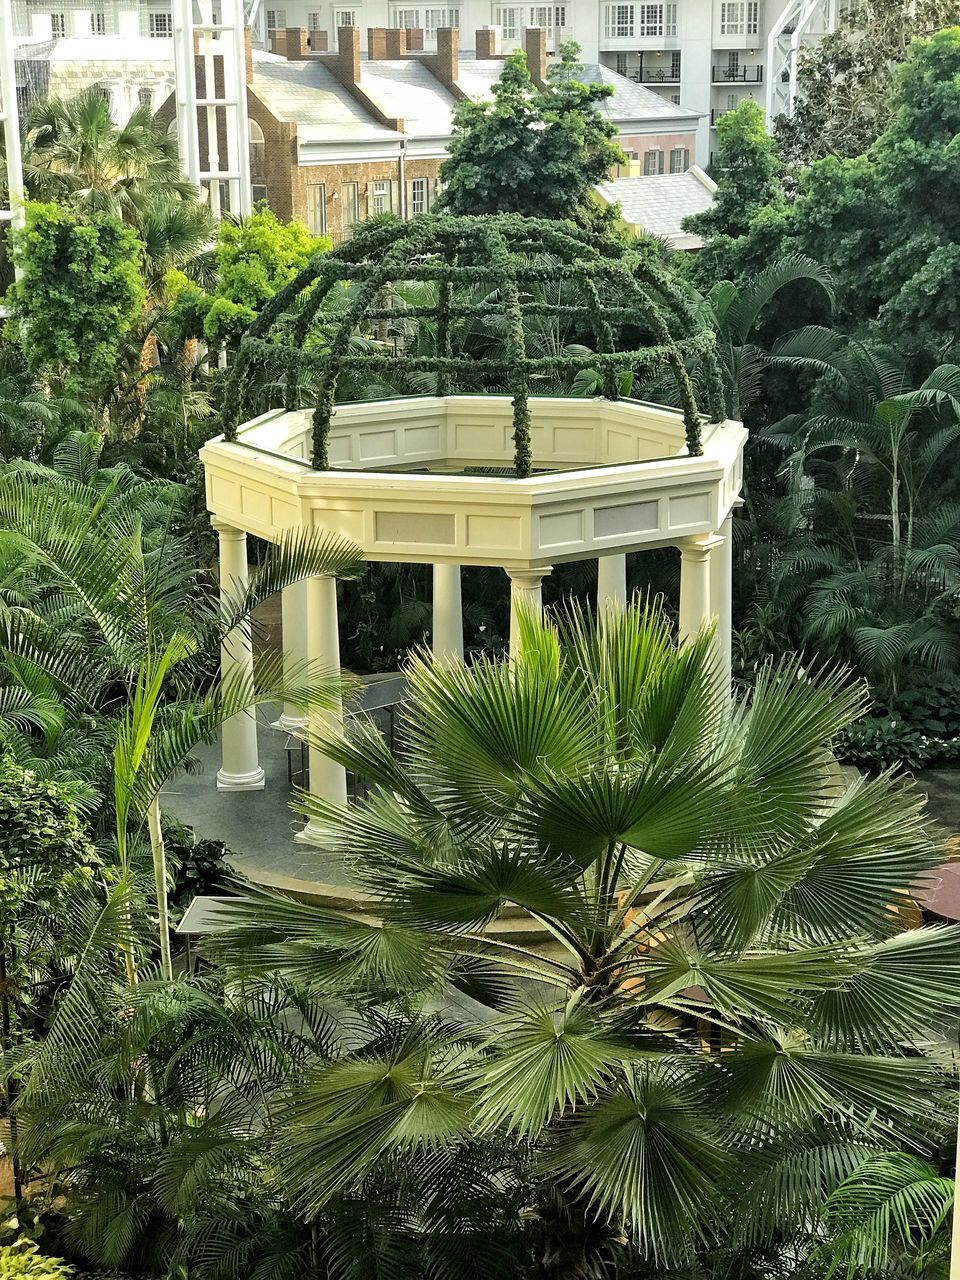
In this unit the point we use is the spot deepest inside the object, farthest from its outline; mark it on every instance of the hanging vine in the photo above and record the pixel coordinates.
(493, 271)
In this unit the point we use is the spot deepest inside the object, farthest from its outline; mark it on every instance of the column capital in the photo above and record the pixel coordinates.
(698, 546)
(529, 578)
(225, 530)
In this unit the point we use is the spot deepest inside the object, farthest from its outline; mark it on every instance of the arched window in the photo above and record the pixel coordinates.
(257, 154)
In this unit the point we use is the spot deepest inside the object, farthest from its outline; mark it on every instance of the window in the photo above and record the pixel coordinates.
(652, 162)
(350, 202)
(436, 18)
(547, 17)
(408, 18)
(675, 99)
(276, 19)
(657, 19)
(313, 21)
(679, 160)
(419, 196)
(145, 97)
(257, 152)
(316, 208)
(258, 193)
(98, 24)
(733, 66)
(345, 18)
(675, 65)
(739, 17)
(618, 21)
(380, 201)
(731, 101)
(509, 20)
(58, 25)
(161, 25)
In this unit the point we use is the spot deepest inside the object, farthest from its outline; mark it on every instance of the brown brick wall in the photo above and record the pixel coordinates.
(333, 176)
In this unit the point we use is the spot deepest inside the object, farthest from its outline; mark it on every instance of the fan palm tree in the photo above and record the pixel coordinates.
(876, 546)
(112, 627)
(75, 153)
(684, 924)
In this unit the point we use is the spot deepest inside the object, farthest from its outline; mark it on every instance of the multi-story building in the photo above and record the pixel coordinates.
(339, 136)
(706, 54)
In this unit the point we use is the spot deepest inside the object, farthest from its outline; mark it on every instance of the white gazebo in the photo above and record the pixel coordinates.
(429, 479)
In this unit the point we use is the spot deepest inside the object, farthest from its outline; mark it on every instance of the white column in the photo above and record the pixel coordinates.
(721, 598)
(526, 596)
(695, 608)
(328, 780)
(447, 612)
(293, 603)
(240, 765)
(611, 582)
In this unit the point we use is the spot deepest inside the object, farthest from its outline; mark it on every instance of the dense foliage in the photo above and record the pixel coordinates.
(533, 149)
(845, 82)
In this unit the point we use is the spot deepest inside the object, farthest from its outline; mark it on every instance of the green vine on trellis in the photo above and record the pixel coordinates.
(508, 260)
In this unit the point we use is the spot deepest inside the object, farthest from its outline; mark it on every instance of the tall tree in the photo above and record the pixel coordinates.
(532, 150)
(845, 80)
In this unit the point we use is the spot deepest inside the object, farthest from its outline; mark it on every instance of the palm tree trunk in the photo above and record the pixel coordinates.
(160, 880)
(6, 1042)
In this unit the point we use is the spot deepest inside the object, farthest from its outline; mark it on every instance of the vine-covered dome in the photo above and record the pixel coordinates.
(443, 305)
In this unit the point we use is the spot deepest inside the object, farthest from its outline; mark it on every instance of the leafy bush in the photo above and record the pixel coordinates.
(876, 743)
(200, 866)
(922, 730)
(23, 1260)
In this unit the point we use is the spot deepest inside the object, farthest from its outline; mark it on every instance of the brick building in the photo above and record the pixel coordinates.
(339, 136)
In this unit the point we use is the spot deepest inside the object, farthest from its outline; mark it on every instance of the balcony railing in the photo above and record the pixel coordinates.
(716, 113)
(656, 75)
(738, 75)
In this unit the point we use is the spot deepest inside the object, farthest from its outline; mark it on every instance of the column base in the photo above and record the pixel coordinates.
(311, 834)
(253, 781)
(290, 724)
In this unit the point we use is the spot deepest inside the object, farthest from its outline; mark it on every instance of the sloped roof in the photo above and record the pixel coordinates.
(307, 95)
(658, 203)
(629, 102)
(405, 88)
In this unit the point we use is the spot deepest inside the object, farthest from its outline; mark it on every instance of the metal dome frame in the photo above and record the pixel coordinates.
(622, 287)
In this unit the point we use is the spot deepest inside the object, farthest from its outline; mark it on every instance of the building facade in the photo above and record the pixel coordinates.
(338, 136)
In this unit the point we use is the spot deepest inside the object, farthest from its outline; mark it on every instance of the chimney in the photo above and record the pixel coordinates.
(248, 55)
(396, 42)
(488, 42)
(376, 43)
(415, 39)
(278, 42)
(296, 49)
(348, 54)
(535, 44)
(448, 55)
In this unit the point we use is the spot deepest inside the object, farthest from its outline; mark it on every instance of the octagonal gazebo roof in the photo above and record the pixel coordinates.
(496, 305)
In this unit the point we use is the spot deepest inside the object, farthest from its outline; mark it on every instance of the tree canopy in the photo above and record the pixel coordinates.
(532, 150)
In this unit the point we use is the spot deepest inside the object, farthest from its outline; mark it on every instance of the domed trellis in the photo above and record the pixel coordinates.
(625, 306)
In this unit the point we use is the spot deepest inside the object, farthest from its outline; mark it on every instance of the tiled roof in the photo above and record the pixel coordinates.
(659, 203)
(407, 89)
(306, 94)
(630, 101)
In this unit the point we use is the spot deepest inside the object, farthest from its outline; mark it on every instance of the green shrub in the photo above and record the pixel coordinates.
(876, 743)
(23, 1260)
